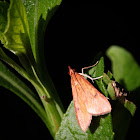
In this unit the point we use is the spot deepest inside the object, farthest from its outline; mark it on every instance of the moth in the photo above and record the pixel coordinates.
(88, 101)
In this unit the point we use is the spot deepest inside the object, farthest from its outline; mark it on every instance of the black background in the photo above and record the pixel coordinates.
(75, 34)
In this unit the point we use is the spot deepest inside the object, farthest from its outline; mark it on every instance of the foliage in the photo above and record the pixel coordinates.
(21, 38)
(22, 28)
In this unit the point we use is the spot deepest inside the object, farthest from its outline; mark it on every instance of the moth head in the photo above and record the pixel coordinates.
(71, 71)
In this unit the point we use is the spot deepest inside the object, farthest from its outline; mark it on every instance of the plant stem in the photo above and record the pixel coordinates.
(52, 114)
(53, 106)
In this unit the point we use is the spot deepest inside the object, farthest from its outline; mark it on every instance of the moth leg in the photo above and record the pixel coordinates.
(92, 79)
(97, 78)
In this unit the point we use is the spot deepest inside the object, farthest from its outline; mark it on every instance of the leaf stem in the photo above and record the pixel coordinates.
(53, 111)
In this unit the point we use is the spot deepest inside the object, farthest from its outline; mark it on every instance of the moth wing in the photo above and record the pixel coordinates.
(83, 116)
(96, 103)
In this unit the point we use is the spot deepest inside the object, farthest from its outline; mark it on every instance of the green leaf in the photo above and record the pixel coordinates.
(130, 106)
(109, 74)
(106, 79)
(111, 91)
(102, 87)
(16, 38)
(70, 129)
(16, 34)
(100, 128)
(125, 69)
(121, 118)
(39, 13)
(97, 70)
(3, 15)
(14, 84)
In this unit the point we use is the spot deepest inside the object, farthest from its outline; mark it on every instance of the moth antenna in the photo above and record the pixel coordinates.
(89, 66)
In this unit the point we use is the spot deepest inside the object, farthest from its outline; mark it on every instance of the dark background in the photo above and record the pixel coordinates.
(74, 36)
